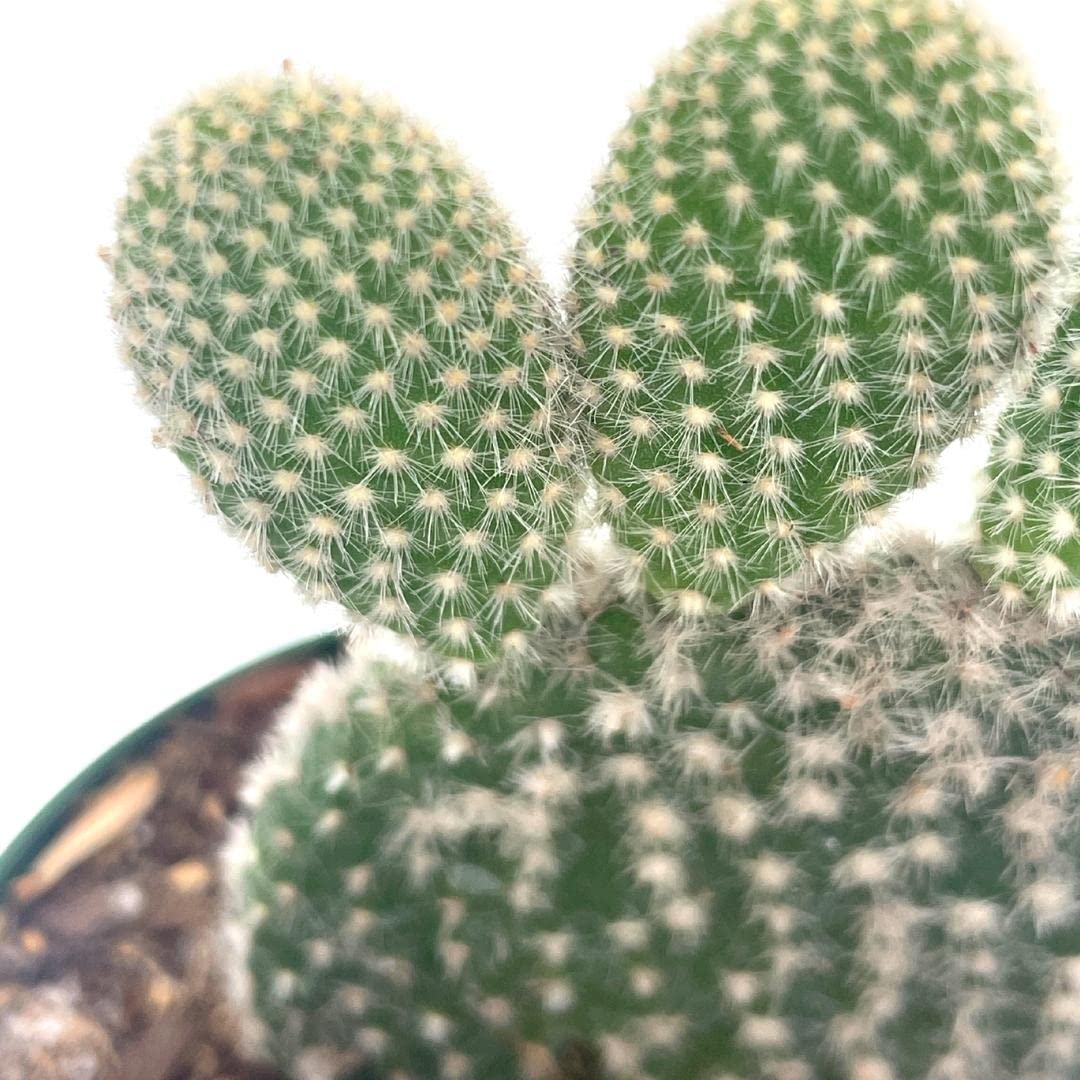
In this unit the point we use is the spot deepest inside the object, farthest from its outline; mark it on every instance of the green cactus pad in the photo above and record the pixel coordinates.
(1031, 516)
(839, 841)
(822, 241)
(349, 349)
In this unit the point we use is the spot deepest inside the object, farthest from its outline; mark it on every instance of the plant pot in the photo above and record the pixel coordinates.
(79, 907)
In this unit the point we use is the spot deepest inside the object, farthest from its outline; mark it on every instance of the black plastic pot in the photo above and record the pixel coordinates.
(22, 851)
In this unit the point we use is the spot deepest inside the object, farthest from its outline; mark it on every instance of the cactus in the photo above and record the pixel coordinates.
(832, 836)
(1031, 514)
(824, 237)
(349, 349)
(833, 839)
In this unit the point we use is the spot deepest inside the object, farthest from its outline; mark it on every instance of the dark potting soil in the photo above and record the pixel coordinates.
(107, 945)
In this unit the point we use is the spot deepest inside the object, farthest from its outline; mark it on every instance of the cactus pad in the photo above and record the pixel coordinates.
(349, 349)
(1031, 518)
(840, 841)
(821, 242)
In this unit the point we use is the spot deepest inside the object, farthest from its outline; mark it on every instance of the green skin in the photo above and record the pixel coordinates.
(493, 400)
(829, 486)
(1029, 517)
(899, 637)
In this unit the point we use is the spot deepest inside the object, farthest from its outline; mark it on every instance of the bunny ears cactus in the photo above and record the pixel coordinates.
(349, 349)
(831, 837)
(823, 241)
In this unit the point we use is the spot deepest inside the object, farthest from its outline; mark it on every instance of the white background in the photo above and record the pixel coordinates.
(118, 594)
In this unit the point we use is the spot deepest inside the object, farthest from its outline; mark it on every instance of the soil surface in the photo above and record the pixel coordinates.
(107, 943)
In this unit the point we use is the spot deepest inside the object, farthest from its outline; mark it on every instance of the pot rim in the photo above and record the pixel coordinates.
(51, 818)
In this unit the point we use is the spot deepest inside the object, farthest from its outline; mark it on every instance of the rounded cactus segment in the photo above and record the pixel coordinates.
(822, 239)
(838, 840)
(1031, 515)
(350, 350)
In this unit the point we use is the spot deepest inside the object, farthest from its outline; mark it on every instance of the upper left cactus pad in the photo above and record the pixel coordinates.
(349, 349)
